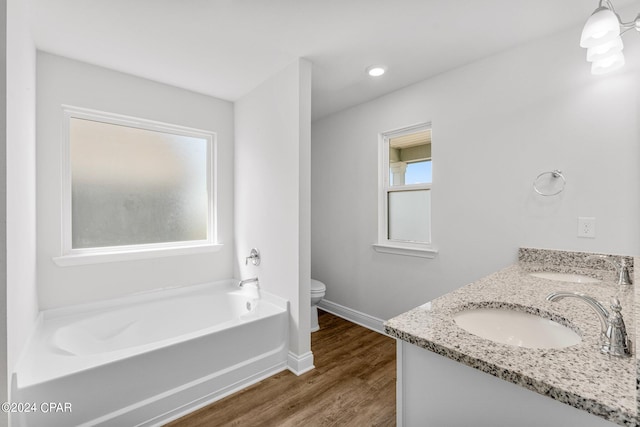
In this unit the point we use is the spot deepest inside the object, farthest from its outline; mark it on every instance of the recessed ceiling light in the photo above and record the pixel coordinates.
(376, 70)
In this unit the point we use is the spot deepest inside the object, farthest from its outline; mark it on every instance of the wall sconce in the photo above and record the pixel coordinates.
(601, 36)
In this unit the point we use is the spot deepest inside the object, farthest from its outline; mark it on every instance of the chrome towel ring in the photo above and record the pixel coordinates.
(553, 191)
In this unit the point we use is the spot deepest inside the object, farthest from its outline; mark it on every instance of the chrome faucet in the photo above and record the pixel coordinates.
(613, 335)
(245, 281)
(622, 269)
(254, 256)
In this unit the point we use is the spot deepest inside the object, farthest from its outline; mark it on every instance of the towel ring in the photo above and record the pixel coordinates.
(554, 174)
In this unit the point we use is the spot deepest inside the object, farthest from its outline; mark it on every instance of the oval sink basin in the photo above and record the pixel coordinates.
(516, 328)
(565, 277)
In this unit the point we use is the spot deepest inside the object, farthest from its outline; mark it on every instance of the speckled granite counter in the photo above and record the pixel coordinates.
(578, 375)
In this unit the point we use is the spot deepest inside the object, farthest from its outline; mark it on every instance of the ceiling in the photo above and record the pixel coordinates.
(225, 48)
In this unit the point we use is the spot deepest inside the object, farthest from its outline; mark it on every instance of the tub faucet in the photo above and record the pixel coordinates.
(613, 335)
(254, 256)
(622, 269)
(245, 281)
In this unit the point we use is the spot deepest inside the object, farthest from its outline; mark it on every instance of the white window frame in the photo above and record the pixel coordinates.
(384, 244)
(70, 256)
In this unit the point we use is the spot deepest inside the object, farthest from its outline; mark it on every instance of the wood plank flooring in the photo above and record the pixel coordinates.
(353, 384)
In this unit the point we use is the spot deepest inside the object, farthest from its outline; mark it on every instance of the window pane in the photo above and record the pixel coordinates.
(409, 216)
(418, 173)
(135, 186)
(410, 158)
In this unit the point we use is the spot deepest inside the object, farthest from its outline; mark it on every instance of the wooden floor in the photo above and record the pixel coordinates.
(353, 384)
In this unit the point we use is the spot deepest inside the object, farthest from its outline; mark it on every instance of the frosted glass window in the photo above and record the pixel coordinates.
(137, 186)
(409, 216)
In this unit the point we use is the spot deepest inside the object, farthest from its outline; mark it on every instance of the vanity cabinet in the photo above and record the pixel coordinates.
(435, 391)
(449, 376)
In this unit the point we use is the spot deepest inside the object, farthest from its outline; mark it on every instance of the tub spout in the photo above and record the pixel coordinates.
(245, 281)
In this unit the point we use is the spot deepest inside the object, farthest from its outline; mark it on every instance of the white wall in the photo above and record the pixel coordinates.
(272, 190)
(64, 81)
(497, 124)
(21, 302)
(4, 374)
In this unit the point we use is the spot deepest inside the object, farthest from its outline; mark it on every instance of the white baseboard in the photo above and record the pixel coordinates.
(352, 315)
(299, 364)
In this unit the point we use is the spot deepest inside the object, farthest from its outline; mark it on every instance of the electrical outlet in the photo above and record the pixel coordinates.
(587, 227)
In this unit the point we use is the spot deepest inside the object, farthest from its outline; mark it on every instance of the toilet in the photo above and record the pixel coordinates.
(317, 293)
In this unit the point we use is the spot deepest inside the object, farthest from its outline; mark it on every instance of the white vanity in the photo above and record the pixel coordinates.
(448, 376)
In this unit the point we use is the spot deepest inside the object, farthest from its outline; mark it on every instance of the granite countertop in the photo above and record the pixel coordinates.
(579, 375)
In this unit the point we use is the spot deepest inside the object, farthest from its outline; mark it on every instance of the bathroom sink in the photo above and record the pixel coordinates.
(565, 277)
(516, 328)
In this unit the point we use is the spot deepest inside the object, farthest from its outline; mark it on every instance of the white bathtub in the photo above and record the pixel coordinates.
(147, 359)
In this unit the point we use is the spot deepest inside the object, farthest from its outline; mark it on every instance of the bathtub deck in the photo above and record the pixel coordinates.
(353, 385)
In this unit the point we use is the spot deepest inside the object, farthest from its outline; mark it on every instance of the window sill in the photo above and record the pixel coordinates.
(406, 251)
(134, 254)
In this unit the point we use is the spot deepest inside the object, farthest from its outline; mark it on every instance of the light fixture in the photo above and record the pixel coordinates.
(376, 70)
(601, 36)
(610, 63)
(601, 51)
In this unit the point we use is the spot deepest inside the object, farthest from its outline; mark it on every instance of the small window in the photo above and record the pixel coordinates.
(405, 191)
(134, 185)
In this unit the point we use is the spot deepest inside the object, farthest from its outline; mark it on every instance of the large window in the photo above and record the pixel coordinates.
(135, 186)
(405, 192)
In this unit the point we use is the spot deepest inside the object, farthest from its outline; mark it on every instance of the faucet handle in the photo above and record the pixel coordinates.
(615, 339)
(254, 256)
(615, 305)
(624, 278)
